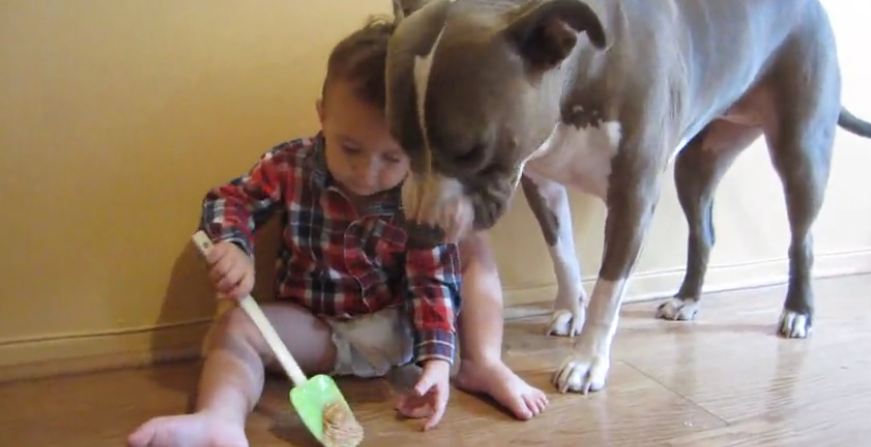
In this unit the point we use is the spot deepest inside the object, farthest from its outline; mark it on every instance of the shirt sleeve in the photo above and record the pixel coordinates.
(434, 280)
(232, 211)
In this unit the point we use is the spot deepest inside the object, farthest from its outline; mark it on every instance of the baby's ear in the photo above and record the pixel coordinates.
(319, 105)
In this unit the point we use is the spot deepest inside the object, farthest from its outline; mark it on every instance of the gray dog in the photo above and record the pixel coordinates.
(600, 95)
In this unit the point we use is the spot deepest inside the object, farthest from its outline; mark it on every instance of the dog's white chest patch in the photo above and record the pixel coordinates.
(579, 157)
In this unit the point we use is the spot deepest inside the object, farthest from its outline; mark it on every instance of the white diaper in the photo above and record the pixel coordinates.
(370, 345)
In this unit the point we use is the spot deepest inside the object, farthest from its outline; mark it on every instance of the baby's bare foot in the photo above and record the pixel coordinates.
(189, 430)
(499, 382)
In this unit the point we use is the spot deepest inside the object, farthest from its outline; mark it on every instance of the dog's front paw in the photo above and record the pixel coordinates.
(678, 309)
(582, 373)
(794, 324)
(566, 323)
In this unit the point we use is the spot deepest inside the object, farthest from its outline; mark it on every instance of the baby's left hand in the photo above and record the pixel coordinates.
(429, 397)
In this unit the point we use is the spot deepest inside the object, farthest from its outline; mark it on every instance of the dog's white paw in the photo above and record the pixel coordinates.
(565, 323)
(677, 309)
(794, 324)
(582, 374)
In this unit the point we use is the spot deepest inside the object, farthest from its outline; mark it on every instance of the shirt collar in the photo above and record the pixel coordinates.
(316, 162)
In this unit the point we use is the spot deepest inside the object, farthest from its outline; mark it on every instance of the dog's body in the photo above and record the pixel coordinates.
(480, 91)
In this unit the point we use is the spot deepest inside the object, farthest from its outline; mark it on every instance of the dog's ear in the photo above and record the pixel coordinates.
(546, 33)
(404, 8)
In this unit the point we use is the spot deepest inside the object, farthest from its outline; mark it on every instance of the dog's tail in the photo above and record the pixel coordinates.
(854, 124)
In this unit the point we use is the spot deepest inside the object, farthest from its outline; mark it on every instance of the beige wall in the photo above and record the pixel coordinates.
(117, 116)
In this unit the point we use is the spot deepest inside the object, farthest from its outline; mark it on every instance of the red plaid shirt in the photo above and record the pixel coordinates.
(336, 261)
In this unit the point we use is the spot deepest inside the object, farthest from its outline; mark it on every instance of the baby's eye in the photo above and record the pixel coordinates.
(351, 150)
(392, 159)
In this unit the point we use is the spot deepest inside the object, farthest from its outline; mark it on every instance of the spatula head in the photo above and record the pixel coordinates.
(311, 398)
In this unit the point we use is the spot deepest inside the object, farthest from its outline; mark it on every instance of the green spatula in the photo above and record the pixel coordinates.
(310, 397)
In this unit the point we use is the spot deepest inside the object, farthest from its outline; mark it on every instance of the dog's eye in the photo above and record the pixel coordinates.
(470, 161)
(470, 156)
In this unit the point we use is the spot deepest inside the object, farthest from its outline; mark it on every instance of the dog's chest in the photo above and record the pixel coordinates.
(578, 157)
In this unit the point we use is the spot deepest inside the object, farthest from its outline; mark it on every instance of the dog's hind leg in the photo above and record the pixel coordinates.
(800, 135)
(802, 160)
(550, 205)
(697, 172)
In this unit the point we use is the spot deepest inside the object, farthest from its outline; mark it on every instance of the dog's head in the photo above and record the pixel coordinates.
(472, 91)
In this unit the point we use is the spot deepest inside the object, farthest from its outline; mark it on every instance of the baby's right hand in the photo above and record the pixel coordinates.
(231, 270)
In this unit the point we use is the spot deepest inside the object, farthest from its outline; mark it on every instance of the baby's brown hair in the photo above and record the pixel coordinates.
(360, 59)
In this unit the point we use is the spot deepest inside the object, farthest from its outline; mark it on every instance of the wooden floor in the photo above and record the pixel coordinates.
(723, 380)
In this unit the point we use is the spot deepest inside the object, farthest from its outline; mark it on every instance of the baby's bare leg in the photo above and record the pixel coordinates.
(480, 331)
(233, 374)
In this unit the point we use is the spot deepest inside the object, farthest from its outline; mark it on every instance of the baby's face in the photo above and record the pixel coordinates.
(361, 154)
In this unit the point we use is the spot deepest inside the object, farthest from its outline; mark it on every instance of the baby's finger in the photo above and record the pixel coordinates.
(424, 384)
(441, 403)
(220, 268)
(413, 408)
(243, 288)
(215, 253)
(231, 279)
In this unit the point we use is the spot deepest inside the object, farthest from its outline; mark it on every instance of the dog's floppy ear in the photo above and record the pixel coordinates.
(404, 8)
(546, 33)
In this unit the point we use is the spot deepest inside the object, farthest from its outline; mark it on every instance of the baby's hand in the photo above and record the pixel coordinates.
(429, 398)
(231, 270)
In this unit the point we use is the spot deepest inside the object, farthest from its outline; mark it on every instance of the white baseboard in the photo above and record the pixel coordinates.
(657, 284)
(77, 353)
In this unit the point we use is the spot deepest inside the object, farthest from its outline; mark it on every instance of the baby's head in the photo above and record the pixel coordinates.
(361, 154)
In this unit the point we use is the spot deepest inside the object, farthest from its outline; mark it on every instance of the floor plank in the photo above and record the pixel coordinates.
(723, 380)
